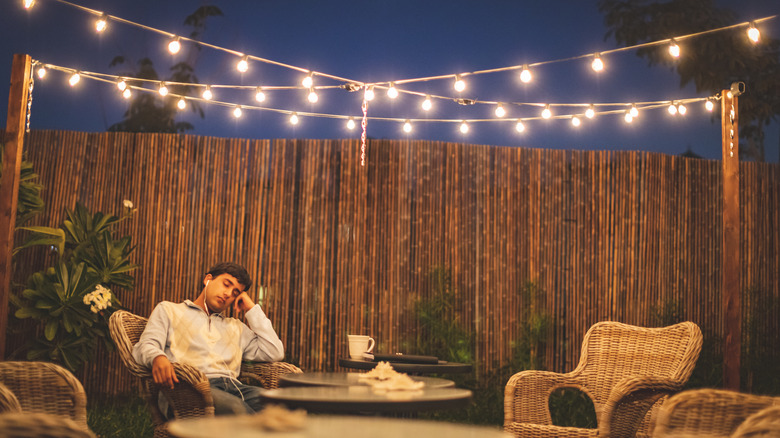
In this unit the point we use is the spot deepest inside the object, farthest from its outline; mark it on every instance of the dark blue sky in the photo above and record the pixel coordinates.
(371, 41)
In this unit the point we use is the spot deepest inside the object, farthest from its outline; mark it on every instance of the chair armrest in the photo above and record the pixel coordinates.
(765, 422)
(267, 373)
(527, 394)
(629, 402)
(714, 412)
(191, 397)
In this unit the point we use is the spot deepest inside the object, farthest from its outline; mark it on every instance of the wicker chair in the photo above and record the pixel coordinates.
(40, 425)
(8, 401)
(191, 397)
(765, 423)
(624, 369)
(716, 413)
(46, 388)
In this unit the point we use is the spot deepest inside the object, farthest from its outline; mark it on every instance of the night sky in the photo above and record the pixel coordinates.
(372, 41)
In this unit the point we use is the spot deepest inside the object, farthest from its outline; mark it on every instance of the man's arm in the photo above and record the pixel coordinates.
(259, 341)
(150, 349)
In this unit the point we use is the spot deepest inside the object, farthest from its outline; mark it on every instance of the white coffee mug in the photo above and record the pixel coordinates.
(359, 344)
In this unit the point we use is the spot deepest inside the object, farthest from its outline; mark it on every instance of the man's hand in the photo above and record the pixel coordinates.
(243, 303)
(162, 371)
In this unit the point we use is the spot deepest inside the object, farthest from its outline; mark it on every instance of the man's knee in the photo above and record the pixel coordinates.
(228, 404)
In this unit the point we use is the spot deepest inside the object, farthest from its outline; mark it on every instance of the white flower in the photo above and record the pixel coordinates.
(98, 299)
(127, 203)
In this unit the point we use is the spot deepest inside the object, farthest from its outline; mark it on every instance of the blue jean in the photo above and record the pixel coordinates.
(233, 397)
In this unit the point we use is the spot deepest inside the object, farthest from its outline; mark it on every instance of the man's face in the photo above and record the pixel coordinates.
(220, 291)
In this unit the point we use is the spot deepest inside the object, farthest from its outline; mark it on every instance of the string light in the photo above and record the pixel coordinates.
(427, 104)
(369, 93)
(41, 72)
(708, 105)
(674, 49)
(207, 94)
(407, 127)
(464, 127)
(163, 90)
(500, 111)
(182, 104)
(672, 109)
(307, 81)
(237, 112)
(121, 85)
(28, 3)
(392, 92)
(74, 79)
(519, 127)
(294, 119)
(313, 98)
(174, 46)
(259, 95)
(127, 93)
(575, 121)
(101, 23)
(681, 109)
(459, 84)
(243, 65)
(525, 75)
(628, 117)
(753, 33)
(597, 65)
(546, 112)
(590, 112)
(351, 124)
(633, 111)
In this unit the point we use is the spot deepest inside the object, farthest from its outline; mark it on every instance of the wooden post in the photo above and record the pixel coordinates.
(13, 142)
(731, 266)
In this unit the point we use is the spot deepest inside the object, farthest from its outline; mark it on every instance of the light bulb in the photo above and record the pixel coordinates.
(392, 92)
(633, 111)
(464, 127)
(41, 72)
(590, 112)
(427, 104)
(525, 75)
(546, 112)
(259, 95)
(237, 112)
(681, 109)
(101, 23)
(729, 95)
(708, 105)
(597, 64)
(181, 103)
(174, 46)
(307, 81)
(407, 127)
(163, 90)
(519, 127)
(127, 93)
(28, 3)
(674, 49)
(500, 111)
(313, 98)
(459, 85)
(628, 117)
(294, 119)
(753, 33)
(672, 109)
(122, 85)
(207, 94)
(369, 93)
(575, 121)
(351, 124)
(74, 79)
(243, 65)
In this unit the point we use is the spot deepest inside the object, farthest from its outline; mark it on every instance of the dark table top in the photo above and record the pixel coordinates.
(327, 426)
(349, 379)
(360, 399)
(443, 367)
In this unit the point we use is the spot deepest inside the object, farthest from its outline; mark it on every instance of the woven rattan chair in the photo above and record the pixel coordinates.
(191, 397)
(624, 370)
(46, 388)
(8, 401)
(764, 424)
(40, 425)
(714, 413)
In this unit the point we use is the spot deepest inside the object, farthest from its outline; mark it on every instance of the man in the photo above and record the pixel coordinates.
(197, 333)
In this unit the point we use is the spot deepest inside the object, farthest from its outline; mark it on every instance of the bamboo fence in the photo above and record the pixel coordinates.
(336, 248)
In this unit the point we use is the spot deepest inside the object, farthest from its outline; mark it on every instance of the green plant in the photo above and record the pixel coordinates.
(71, 300)
(125, 415)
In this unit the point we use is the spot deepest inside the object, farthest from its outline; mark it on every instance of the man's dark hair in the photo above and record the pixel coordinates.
(233, 269)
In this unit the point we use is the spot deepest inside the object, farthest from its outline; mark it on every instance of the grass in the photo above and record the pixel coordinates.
(121, 416)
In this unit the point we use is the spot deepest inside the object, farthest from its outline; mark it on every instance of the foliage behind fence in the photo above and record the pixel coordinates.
(339, 248)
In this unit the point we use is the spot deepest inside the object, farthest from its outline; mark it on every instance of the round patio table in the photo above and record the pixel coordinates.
(443, 367)
(326, 426)
(364, 399)
(349, 379)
